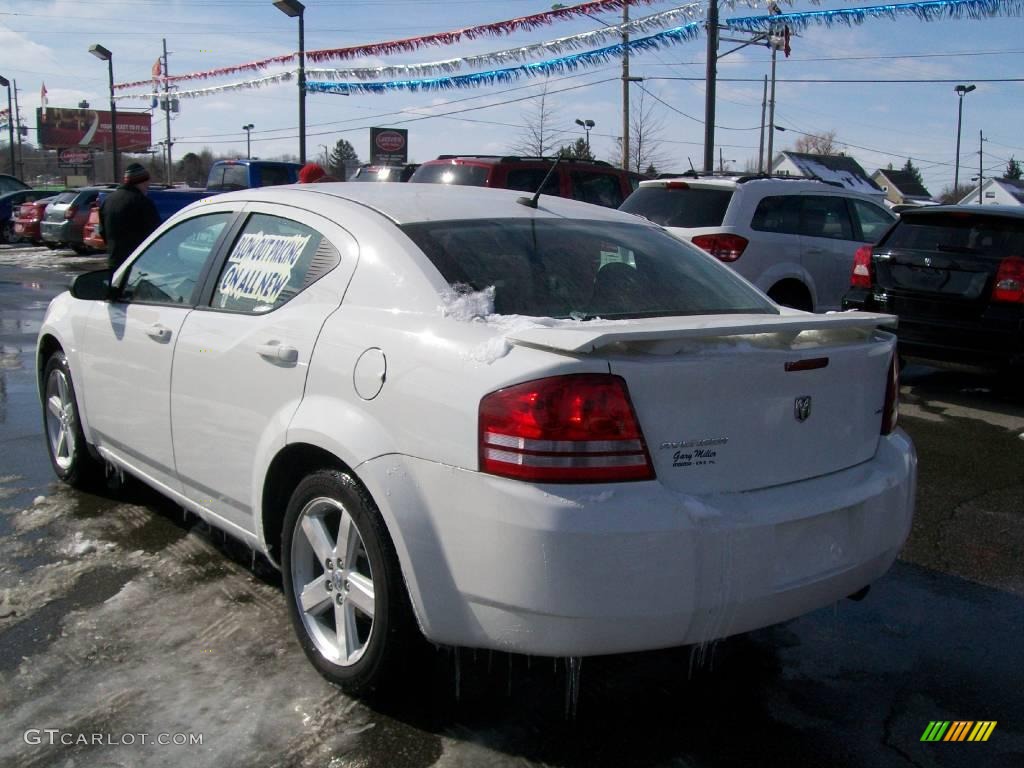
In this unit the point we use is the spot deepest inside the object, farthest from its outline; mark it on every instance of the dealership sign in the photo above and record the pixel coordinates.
(74, 157)
(60, 127)
(389, 146)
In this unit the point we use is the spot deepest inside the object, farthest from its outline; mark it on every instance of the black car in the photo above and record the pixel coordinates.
(384, 172)
(954, 275)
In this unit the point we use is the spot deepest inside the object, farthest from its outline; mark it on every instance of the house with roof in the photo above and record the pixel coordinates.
(835, 169)
(902, 187)
(997, 192)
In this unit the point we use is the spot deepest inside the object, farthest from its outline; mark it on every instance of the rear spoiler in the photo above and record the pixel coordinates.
(592, 335)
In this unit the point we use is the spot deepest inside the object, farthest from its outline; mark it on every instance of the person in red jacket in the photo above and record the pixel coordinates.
(127, 216)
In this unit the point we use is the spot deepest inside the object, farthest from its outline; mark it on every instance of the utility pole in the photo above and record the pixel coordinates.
(771, 113)
(625, 89)
(981, 164)
(709, 89)
(167, 115)
(760, 148)
(17, 116)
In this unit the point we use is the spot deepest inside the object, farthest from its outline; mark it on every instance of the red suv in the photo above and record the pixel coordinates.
(591, 181)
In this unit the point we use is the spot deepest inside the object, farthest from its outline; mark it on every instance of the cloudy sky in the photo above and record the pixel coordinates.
(876, 122)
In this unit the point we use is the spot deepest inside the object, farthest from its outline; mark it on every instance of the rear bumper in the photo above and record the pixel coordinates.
(995, 340)
(571, 570)
(55, 231)
(27, 230)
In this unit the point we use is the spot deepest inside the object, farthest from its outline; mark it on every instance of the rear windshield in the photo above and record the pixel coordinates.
(689, 207)
(959, 232)
(448, 173)
(64, 197)
(583, 269)
(228, 177)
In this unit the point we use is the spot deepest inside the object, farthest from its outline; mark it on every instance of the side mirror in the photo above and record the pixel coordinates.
(93, 286)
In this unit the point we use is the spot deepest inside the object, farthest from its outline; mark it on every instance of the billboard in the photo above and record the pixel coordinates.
(388, 146)
(61, 127)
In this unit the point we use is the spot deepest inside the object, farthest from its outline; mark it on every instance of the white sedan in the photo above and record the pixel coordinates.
(537, 426)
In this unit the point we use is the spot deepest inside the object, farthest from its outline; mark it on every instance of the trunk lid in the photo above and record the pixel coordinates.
(734, 403)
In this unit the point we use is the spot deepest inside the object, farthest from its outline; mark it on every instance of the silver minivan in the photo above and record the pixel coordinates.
(793, 238)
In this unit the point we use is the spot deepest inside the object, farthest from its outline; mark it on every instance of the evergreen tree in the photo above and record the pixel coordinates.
(1013, 169)
(909, 167)
(343, 158)
(578, 150)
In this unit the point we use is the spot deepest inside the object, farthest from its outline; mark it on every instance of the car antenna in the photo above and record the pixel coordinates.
(531, 202)
(691, 164)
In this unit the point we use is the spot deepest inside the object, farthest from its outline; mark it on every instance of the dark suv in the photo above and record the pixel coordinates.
(955, 277)
(591, 181)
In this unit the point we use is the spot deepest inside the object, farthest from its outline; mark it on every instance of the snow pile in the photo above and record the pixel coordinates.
(459, 302)
(78, 545)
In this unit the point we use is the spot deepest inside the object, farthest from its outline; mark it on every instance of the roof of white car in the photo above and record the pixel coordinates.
(780, 183)
(406, 202)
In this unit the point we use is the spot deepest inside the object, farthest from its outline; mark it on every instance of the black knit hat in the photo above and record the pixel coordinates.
(135, 174)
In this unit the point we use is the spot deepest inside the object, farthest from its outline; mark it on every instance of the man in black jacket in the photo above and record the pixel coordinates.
(127, 216)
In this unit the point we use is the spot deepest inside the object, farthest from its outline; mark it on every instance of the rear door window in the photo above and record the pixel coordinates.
(530, 179)
(271, 175)
(777, 213)
(272, 261)
(825, 216)
(598, 188)
(679, 207)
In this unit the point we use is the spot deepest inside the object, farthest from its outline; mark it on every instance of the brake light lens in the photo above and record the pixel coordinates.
(863, 273)
(676, 185)
(891, 409)
(70, 212)
(579, 428)
(1009, 281)
(724, 247)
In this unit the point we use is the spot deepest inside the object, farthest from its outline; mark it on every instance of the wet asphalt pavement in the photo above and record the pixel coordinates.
(124, 620)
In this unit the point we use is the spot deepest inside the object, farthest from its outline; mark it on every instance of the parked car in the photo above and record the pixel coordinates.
(446, 412)
(226, 175)
(9, 203)
(384, 172)
(64, 222)
(591, 181)
(28, 218)
(793, 238)
(167, 201)
(954, 275)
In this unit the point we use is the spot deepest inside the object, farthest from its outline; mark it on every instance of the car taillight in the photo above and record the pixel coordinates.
(70, 212)
(891, 409)
(578, 428)
(863, 273)
(1009, 280)
(724, 247)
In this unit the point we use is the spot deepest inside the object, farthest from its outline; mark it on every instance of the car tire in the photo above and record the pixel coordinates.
(81, 250)
(364, 594)
(62, 427)
(7, 233)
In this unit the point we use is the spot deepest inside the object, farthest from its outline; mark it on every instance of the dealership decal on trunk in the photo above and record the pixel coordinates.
(694, 453)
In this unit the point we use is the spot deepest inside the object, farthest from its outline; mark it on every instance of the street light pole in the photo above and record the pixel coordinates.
(961, 91)
(586, 125)
(248, 134)
(102, 53)
(294, 8)
(4, 82)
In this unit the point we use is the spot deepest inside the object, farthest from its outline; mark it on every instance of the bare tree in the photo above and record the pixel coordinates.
(541, 137)
(950, 195)
(645, 137)
(817, 144)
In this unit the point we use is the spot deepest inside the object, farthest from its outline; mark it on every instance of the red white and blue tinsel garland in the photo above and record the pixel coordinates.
(933, 10)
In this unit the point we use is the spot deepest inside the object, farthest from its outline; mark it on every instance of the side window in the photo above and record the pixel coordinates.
(873, 220)
(825, 216)
(273, 260)
(168, 270)
(599, 188)
(778, 213)
(529, 180)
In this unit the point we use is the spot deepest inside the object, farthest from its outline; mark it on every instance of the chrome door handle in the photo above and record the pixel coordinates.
(276, 352)
(159, 332)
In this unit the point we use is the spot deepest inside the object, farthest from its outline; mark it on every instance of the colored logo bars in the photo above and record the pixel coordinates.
(958, 730)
